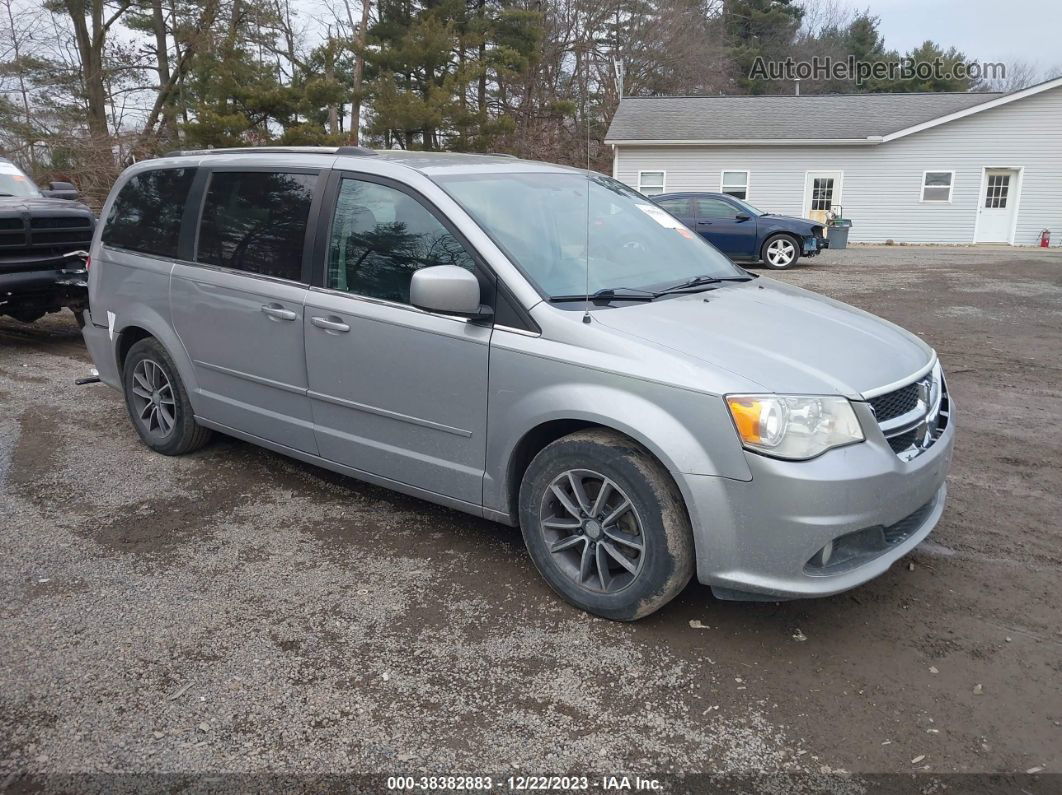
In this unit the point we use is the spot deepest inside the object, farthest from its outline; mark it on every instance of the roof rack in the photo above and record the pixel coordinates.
(358, 151)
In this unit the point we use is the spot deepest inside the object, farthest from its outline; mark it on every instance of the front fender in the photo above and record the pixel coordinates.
(689, 432)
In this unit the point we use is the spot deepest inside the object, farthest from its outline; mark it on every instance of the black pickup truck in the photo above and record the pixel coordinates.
(43, 237)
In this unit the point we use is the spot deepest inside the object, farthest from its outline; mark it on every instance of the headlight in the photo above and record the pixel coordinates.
(790, 426)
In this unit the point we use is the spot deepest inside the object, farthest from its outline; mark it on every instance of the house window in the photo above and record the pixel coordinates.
(735, 183)
(651, 183)
(936, 186)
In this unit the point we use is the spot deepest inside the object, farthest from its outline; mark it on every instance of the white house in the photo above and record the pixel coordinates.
(917, 168)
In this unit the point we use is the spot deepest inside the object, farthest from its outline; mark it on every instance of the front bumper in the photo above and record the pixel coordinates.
(814, 245)
(71, 280)
(755, 538)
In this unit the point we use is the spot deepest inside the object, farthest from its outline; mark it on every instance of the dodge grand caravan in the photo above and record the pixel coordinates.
(529, 343)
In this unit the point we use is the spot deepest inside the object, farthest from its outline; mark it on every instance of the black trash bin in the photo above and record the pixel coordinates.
(837, 233)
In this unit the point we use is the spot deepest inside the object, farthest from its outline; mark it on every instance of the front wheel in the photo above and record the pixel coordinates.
(606, 526)
(780, 252)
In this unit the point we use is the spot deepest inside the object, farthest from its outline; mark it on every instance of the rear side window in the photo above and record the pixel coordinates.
(146, 215)
(679, 207)
(255, 221)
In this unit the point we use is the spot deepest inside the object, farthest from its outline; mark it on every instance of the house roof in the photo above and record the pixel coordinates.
(830, 117)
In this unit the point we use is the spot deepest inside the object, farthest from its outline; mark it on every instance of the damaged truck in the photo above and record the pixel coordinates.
(44, 237)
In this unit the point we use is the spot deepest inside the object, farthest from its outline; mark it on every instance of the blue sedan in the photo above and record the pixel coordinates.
(742, 232)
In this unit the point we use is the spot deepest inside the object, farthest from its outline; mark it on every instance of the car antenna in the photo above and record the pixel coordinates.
(586, 306)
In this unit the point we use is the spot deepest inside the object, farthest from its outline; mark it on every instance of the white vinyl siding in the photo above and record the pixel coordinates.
(937, 185)
(882, 183)
(734, 183)
(651, 183)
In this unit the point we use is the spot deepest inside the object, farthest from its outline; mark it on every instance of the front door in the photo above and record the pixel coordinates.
(238, 309)
(726, 226)
(396, 391)
(822, 190)
(996, 210)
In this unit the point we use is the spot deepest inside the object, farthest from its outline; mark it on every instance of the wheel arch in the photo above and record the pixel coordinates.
(132, 329)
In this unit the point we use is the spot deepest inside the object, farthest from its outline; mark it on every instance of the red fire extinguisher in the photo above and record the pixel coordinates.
(1045, 238)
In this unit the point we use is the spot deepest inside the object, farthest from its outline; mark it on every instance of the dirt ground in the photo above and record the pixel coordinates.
(234, 610)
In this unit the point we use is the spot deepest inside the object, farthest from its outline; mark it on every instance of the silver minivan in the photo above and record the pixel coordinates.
(529, 343)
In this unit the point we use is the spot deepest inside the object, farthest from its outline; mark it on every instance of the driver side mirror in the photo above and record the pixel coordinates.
(61, 190)
(742, 217)
(449, 290)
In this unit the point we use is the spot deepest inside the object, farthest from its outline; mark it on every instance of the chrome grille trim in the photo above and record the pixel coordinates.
(915, 376)
(915, 431)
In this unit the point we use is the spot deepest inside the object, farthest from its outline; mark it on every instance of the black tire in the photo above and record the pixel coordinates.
(784, 243)
(666, 561)
(174, 430)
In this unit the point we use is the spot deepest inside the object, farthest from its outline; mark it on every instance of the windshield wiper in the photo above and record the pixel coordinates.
(701, 282)
(608, 294)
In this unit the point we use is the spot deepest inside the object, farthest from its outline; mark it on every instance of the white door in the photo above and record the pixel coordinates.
(822, 191)
(999, 199)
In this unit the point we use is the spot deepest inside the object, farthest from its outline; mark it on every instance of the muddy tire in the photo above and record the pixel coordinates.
(157, 401)
(605, 525)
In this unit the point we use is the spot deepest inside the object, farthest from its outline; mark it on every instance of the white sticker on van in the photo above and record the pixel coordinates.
(110, 324)
(662, 217)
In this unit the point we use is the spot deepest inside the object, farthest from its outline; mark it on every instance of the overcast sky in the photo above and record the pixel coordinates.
(985, 30)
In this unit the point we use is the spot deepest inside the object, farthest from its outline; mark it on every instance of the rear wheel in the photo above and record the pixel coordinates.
(157, 401)
(780, 252)
(605, 525)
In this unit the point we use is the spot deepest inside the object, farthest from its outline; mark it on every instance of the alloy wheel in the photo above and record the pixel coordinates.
(592, 531)
(154, 404)
(781, 252)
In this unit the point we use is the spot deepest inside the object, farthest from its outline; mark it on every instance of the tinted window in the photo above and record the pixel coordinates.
(714, 208)
(146, 215)
(679, 207)
(255, 221)
(380, 236)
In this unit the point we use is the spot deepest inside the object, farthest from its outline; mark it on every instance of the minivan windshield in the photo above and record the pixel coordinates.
(14, 183)
(574, 233)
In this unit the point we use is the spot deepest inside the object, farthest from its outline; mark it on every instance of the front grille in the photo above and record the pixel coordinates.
(43, 237)
(902, 441)
(60, 222)
(895, 404)
(914, 416)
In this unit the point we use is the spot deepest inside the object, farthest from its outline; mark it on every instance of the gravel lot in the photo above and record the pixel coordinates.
(237, 611)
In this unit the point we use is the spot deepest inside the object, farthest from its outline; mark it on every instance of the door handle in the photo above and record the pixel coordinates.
(329, 324)
(277, 312)
(704, 223)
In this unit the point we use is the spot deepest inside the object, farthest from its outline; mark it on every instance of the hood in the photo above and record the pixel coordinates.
(36, 204)
(791, 219)
(783, 338)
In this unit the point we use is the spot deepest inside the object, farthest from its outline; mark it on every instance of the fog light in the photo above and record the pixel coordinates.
(826, 552)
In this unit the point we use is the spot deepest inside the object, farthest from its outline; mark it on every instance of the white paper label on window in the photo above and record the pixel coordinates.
(662, 217)
(9, 168)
